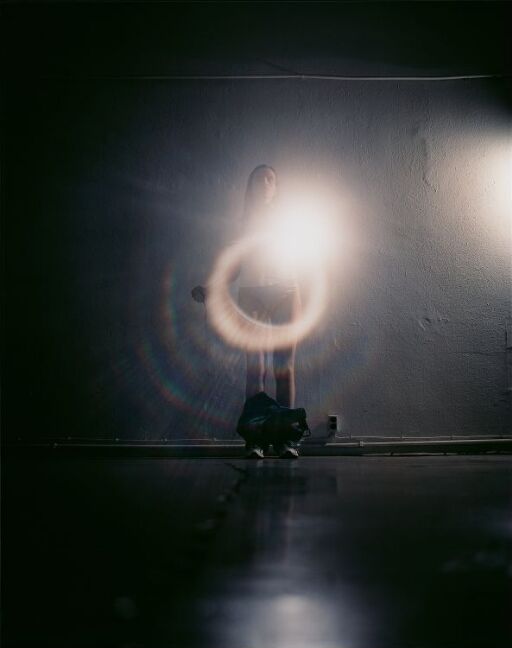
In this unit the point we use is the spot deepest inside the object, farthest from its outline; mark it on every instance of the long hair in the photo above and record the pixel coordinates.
(249, 201)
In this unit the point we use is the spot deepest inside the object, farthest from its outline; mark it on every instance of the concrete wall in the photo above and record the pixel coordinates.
(123, 193)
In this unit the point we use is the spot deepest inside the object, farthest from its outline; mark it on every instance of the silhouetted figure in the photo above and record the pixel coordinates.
(268, 292)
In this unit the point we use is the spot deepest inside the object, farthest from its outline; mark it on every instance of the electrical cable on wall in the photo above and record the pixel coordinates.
(300, 77)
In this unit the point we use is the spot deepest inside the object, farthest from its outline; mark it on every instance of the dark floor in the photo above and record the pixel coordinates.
(332, 552)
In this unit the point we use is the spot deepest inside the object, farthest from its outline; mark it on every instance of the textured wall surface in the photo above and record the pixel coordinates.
(120, 188)
(124, 193)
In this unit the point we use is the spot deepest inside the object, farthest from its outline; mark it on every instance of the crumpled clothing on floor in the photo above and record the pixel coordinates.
(264, 422)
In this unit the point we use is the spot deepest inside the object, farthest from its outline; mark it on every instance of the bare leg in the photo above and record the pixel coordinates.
(288, 309)
(255, 373)
(284, 372)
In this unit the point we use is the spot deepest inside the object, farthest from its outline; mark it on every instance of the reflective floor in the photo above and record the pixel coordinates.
(332, 552)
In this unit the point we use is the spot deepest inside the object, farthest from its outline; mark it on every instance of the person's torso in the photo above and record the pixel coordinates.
(263, 266)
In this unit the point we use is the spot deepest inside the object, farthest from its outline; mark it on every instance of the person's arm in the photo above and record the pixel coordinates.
(200, 293)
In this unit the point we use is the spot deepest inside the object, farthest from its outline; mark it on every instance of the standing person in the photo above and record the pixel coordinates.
(268, 292)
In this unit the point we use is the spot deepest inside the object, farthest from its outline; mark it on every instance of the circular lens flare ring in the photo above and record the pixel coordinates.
(240, 330)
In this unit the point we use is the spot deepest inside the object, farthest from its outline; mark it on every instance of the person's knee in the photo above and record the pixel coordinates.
(284, 377)
(284, 365)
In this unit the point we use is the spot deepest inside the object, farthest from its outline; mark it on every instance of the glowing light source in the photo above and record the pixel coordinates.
(240, 330)
(296, 241)
(300, 236)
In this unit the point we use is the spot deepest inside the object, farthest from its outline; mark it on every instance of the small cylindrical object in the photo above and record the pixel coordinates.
(332, 424)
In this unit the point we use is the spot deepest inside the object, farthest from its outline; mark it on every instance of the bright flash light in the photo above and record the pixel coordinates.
(301, 234)
(298, 236)
(240, 330)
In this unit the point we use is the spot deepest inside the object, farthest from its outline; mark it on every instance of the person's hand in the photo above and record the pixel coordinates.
(199, 294)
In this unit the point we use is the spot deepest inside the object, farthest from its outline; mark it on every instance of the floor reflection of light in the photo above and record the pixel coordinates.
(295, 620)
(283, 621)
